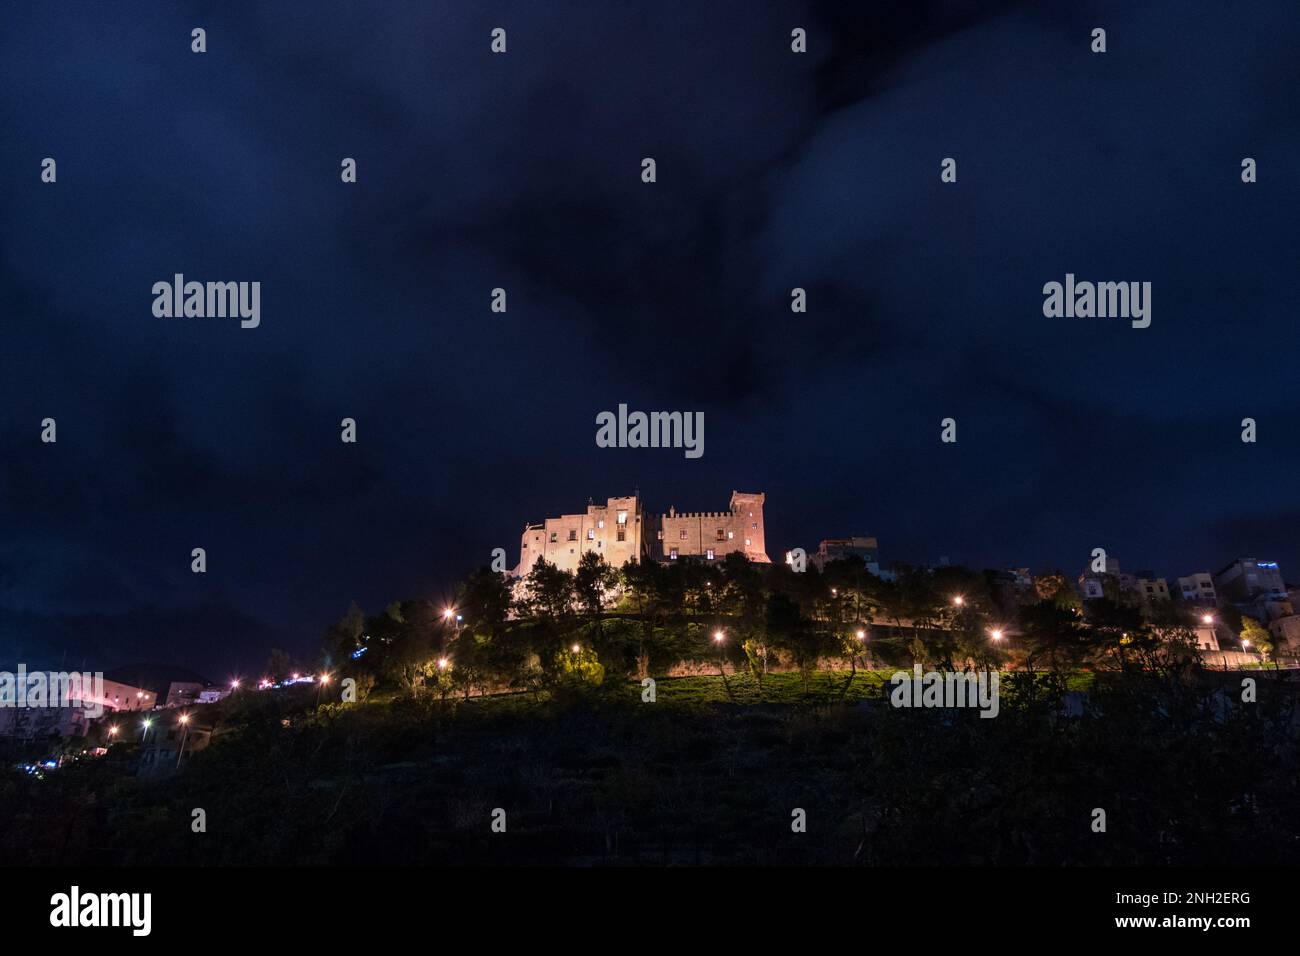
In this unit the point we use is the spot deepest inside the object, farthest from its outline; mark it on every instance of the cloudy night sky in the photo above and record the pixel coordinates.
(522, 171)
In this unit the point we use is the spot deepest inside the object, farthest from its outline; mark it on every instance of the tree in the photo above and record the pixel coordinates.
(343, 639)
(1254, 636)
(592, 584)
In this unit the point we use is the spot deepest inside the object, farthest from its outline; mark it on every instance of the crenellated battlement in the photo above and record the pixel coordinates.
(620, 531)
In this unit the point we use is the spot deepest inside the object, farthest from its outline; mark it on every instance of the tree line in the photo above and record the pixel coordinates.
(557, 630)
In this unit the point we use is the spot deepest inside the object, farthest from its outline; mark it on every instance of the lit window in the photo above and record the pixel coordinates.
(747, 542)
(554, 537)
(722, 535)
(591, 534)
(709, 554)
(730, 535)
(672, 554)
(622, 517)
(682, 534)
(600, 523)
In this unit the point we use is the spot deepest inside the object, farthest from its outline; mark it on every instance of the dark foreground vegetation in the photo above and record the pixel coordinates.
(1186, 771)
(533, 700)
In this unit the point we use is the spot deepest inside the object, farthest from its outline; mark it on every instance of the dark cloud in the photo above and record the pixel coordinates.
(522, 171)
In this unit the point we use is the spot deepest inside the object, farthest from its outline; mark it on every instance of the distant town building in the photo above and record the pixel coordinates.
(838, 549)
(621, 531)
(1247, 578)
(1286, 636)
(1098, 584)
(1256, 588)
(171, 686)
(1151, 589)
(71, 717)
(1198, 588)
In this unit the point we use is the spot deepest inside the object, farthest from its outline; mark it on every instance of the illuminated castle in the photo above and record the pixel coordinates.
(620, 532)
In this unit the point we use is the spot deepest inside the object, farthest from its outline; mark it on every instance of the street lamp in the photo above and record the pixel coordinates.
(719, 636)
(861, 635)
(185, 729)
(442, 663)
(1207, 618)
(958, 601)
(234, 683)
(146, 723)
(996, 634)
(112, 731)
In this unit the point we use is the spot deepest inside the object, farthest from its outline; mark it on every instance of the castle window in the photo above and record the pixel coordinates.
(709, 554)
(622, 517)
(753, 524)
(672, 554)
(573, 534)
(600, 523)
(659, 534)
(730, 535)
(554, 537)
(622, 535)
(591, 534)
(722, 535)
(747, 542)
(682, 534)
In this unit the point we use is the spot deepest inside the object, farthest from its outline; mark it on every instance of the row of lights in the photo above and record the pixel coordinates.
(115, 729)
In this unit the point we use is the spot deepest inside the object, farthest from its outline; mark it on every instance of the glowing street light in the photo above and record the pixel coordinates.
(1207, 618)
(996, 634)
(448, 614)
(958, 601)
(185, 724)
(234, 683)
(112, 731)
(719, 637)
(861, 635)
(1245, 643)
(576, 648)
(442, 662)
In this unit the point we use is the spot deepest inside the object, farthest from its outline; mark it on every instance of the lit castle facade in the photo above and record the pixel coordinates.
(620, 531)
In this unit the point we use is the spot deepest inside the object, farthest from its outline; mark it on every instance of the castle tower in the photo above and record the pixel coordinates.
(749, 509)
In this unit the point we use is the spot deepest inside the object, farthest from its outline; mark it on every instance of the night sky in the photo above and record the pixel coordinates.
(522, 171)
